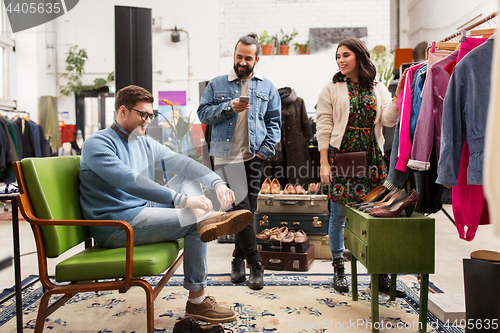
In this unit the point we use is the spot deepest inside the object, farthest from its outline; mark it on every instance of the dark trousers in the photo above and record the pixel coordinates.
(245, 242)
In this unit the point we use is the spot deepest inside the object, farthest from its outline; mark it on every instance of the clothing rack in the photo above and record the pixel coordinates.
(470, 27)
(14, 111)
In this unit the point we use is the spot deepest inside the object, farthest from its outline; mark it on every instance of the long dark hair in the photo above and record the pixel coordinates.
(367, 71)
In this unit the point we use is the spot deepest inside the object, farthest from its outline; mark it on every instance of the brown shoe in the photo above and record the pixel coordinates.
(210, 311)
(300, 236)
(266, 186)
(290, 237)
(264, 234)
(299, 189)
(275, 186)
(223, 223)
(313, 188)
(289, 189)
(279, 234)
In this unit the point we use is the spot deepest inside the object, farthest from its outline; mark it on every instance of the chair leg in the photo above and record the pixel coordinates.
(150, 307)
(42, 312)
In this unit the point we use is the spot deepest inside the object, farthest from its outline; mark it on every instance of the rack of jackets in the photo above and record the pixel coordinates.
(444, 108)
(19, 138)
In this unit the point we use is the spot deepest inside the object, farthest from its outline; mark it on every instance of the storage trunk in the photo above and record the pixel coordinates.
(321, 246)
(312, 224)
(292, 203)
(288, 261)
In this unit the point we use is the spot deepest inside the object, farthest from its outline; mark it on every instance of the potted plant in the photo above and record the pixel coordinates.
(285, 41)
(303, 48)
(265, 42)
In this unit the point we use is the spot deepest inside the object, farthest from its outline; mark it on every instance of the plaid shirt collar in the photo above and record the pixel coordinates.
(121, 131)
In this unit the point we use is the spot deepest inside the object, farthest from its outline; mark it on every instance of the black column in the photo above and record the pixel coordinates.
(133, 47)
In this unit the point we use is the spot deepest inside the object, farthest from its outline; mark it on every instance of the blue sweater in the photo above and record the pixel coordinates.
(117, 177)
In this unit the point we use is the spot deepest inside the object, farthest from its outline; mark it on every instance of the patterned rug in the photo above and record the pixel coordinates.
(298, 303)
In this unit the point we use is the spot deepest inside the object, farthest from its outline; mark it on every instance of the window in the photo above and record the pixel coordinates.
(7, 62)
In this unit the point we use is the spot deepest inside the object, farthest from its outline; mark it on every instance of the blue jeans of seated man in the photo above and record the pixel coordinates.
(160, 223)
(336, 229)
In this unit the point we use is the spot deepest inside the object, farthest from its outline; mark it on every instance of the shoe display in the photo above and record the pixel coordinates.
(275, 186)
(289, 189)
(386, 198)
(396, 197)
(266, 186)
(189, 324)
(290, 237)
(210, 311)
(278, 234)
(238, 274)
(339, 279)
(217, 224)
(300, 237)
(264, 234)
(256, 278)
(384, 285)
(299, 189)
(407, 202)
(380, 197)
(370, 196)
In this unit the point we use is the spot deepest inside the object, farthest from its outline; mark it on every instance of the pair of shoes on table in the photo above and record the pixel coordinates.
(395, 195)
(314, 188)
(270, 187)
(392, 209)
(215, 224)
(374, 195)
(208, 310)
(384, 285)
(238, 274)
(283, 235)
(294, 189)
(387, 195)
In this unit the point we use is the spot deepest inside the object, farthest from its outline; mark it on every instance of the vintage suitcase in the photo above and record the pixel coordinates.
(288, 261)
(312, 224)
(321, 246)
(278, 246)
(292, 203)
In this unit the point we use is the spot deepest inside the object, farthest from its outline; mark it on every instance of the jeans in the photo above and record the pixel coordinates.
(160, 223)
(336, 229)
(246, 190)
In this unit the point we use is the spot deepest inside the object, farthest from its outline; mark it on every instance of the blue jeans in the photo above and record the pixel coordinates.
(160, 223)
(336, 229)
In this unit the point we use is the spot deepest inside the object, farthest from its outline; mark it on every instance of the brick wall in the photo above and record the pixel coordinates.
(238, 18)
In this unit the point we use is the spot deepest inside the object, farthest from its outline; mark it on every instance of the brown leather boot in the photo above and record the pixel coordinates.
(210, 311)
(223, 223)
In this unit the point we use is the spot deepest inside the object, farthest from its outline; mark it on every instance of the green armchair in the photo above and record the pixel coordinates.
(50, 201)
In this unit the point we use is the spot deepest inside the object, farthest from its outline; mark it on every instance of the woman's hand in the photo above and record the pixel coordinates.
(326, 174)
(224, 195)
(199, 202)
(401, 84)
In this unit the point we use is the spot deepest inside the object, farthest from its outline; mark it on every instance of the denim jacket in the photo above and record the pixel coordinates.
(264, 115)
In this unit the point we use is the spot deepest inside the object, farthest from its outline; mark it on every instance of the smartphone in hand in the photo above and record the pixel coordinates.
(245, 99)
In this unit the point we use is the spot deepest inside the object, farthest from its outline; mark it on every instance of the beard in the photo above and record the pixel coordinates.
(242, 71)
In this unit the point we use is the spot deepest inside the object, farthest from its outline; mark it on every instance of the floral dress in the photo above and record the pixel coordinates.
(363, 109)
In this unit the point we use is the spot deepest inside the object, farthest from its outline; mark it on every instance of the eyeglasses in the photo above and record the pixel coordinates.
(144, 114)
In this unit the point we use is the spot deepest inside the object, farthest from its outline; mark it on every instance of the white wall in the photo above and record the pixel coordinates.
(214, 26)
(431, 20)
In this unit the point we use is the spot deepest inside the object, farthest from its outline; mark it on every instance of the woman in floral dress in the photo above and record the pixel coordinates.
(351, 112)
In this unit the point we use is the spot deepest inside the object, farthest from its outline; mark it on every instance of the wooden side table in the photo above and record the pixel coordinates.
(398, 245)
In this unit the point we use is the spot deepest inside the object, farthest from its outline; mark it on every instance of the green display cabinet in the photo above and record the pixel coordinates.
(400, 245)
